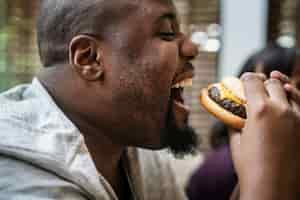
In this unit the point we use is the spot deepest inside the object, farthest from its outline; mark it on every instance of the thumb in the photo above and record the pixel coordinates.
(235, 146)
(294, 92)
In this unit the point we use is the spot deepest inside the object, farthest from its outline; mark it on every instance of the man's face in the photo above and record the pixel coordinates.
(148, 55)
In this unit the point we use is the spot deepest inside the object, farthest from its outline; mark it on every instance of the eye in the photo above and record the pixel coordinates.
(167, 30)
(167, 36)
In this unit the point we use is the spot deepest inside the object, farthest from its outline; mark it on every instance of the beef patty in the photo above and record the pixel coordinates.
(226, 103)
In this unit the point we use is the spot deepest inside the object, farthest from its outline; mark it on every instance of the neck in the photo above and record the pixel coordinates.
(105, 153)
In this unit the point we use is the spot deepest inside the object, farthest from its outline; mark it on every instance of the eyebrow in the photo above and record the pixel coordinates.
(170, 15)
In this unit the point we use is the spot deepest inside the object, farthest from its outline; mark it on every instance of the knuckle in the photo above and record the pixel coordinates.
(286, 111)
(272, 81)
(261, 109)
(248, 76)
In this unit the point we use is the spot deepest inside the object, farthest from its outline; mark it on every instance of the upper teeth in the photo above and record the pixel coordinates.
(184, 83)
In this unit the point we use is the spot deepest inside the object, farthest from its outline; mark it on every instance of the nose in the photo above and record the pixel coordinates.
(188, 49)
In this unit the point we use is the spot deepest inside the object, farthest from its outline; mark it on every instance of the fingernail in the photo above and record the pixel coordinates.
(288, 86)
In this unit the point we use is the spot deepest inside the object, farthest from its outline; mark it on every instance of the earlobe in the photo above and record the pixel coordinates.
(86, 58)
(90, 74)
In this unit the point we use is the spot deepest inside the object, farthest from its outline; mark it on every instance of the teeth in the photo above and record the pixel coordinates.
(177, 85)
(189, 82)
(184, 83)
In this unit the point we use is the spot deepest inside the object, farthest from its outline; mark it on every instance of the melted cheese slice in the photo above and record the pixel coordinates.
(225, 93)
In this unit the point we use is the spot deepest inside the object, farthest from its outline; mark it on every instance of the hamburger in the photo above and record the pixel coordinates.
(226, 101)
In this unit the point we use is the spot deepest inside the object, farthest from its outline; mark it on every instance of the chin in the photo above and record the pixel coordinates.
(155, 147)
(179, 138)
(176, 136)
(181, 142)
(156, 141)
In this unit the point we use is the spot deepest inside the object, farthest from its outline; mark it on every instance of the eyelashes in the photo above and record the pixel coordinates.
(167, 36)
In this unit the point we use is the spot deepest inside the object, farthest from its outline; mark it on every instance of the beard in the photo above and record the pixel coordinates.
(179, 141)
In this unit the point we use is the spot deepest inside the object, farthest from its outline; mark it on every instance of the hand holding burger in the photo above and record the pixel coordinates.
(265, 152)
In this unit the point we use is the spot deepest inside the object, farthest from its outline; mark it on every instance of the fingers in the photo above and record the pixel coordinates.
(280, 76)
(296, 108)
(234, 138)
(276, 92)
(294, 93)
(292, 90)
(254, 89)
(235, 147)
(258, 90)
(235, 143)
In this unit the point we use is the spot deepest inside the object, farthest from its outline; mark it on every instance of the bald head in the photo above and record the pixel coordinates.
(61, 20)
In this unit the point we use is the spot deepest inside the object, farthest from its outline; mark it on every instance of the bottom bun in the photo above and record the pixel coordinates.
(215, 109)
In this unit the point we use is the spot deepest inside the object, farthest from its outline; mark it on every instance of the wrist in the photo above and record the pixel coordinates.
(267, 188)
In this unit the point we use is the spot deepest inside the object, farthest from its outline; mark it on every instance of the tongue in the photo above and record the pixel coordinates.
(181, 113)
(181, 106)
(177, 95)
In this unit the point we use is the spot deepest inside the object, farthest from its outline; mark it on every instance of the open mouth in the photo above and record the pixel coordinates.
(177, 93)
(180, 82)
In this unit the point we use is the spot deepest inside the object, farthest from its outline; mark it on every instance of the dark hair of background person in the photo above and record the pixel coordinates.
(273, 57)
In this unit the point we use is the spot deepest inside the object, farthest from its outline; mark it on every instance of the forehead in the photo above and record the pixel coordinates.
(156, 8)
(162, 3)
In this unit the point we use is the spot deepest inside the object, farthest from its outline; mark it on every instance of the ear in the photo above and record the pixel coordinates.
(86, 57)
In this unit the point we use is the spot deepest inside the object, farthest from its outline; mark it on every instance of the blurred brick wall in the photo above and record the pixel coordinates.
(274, 16)
(205, 65)
(18, 50)
(281, 18)
(200, 13)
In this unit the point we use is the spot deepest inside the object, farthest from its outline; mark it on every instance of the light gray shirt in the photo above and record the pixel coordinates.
(43, 156)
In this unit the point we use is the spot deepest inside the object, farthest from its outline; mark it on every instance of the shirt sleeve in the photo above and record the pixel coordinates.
(23, 181)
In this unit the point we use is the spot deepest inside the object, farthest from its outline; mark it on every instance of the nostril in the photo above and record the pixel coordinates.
(191, 57)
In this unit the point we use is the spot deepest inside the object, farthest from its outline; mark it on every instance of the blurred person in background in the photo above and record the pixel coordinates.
(216, 178)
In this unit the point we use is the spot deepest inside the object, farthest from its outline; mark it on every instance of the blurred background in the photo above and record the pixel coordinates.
(227, 32)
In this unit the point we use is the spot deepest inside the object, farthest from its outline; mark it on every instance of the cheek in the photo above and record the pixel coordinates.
(160, 70)
(165, 58)
(144, 83)
(139, 102)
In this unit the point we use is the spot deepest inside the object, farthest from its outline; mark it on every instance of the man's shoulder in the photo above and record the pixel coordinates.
(30, 122)
(20, 107)
(12, 96)
(31, 107)
(14, 107)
